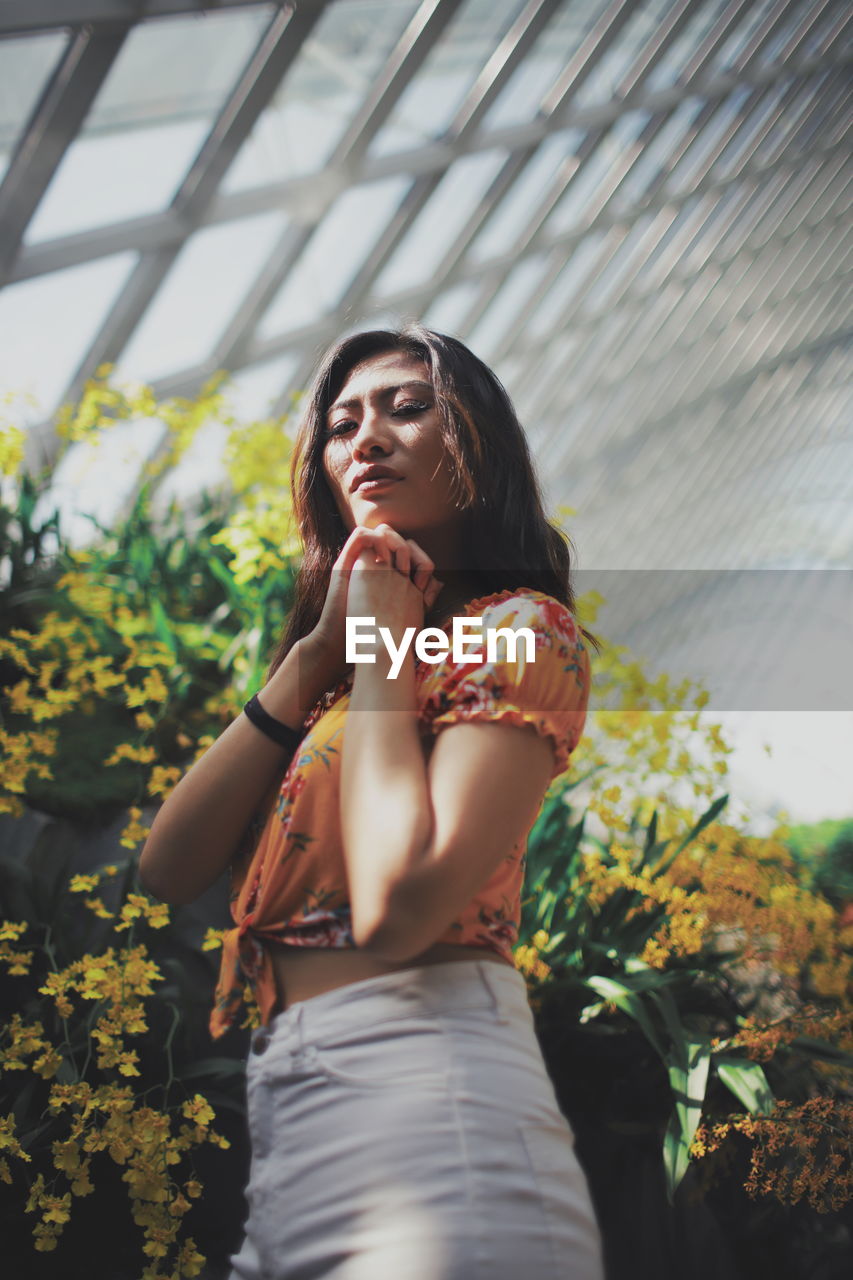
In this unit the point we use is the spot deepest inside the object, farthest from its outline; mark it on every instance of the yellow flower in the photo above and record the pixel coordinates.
(11, 931)
(99, 907)
(8, 1141)
(57, 1208)
(163, 779)
(48, 1063)
(11, 449)
(199, 1110)
(82, 884)
(190, 1261)
(135, 831)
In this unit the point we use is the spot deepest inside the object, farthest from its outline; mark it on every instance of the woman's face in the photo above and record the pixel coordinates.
(385, 414)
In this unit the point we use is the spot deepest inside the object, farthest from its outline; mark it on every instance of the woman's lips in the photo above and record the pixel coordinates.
(367, 486)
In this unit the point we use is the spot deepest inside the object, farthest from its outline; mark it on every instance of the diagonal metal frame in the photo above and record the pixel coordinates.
(803, 248)
(417, 42)
(723, 411)
(592, 49)
(275, 52)
(689, 295)
(326, 330)
(430, 160)
(654, 197)
(33, 15)
(451, 263)
(808, 305)
(309, 190)
(52, 127)
(642, 208)
(528, 241)
(726, 348)
(488, 84)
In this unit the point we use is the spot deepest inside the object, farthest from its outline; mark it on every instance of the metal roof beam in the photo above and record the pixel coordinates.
(18, 16)
(163, 228)
(275, 52)
(59, 113)
(413, 48)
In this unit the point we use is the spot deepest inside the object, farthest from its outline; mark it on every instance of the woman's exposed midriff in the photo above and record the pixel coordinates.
(302, 972)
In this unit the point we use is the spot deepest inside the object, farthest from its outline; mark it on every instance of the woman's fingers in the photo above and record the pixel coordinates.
(390, 547)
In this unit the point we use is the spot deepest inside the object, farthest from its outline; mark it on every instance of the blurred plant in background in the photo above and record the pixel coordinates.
(691, 982)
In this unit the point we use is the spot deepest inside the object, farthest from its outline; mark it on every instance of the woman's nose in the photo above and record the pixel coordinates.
(373, 430)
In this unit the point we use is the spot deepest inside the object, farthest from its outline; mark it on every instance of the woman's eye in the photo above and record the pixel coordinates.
(402, 410)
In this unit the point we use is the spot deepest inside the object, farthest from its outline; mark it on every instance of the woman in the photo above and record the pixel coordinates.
(403, 1124)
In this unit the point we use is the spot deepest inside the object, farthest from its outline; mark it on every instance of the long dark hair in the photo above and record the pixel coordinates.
(508, 541)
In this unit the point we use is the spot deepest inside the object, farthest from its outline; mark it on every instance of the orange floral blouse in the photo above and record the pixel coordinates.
(289, 881)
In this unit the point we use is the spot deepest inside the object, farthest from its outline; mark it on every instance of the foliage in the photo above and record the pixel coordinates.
(719, 961)
(94, 1073)
(677, 935)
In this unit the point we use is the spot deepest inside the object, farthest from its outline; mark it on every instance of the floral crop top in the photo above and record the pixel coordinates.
(289, 880)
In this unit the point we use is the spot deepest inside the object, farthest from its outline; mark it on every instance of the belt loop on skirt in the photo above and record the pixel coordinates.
(297, 1029)
(490, 982)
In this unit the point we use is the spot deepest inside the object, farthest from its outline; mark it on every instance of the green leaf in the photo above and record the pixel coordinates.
(707, 817)
(688, 1078)
(747, 1082)
(676, 1155)
(629, 1002)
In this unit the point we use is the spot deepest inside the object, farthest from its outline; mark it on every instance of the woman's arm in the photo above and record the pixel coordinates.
(421, 841)
(198, 828)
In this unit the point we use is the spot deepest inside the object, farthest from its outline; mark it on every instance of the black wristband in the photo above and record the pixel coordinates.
(280, 733)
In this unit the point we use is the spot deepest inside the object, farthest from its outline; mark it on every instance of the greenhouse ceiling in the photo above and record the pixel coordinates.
(636, 212)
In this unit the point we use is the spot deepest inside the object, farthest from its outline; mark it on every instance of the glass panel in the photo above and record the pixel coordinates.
(502, 312)
(201, 468)
(253, 391)
(191, 309)
(735, 154)
(430, 101)
(97, 477)
(455, 199)
(811, 95)
(670, 69)
(621, 265)
(622, 54)
(446, 312)
(517, 207)
(553, 48)
(798, 20)
(318, 97)
(692, 165)
(655, 156)
(726, 55)
(47, 325)
(818, 39)
(25, 64)
(570, 280)
(570, 209)
(334, 254)
(146, 125)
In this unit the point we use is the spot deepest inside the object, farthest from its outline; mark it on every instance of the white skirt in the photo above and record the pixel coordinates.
(405, 1128)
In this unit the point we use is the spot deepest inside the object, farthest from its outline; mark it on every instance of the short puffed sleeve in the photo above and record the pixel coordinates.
(547, 688)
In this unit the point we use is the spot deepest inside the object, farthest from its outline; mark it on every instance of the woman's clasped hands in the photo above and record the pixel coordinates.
(379, 574)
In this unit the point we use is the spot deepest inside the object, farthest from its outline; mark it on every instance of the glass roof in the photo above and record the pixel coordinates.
(637, 214)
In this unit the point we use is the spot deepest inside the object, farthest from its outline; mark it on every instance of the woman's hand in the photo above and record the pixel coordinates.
(388, 598)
